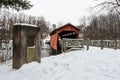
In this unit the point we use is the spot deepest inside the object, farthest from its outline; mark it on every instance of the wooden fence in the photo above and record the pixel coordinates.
(71, 43)
(78, 43)
(5, 51)
(5, 55)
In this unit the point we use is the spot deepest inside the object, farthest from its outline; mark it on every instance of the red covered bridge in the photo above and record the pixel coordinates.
(66, 31)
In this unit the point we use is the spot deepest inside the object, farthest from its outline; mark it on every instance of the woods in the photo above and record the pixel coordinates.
(104, 27)
(105, 23)
(7, 19)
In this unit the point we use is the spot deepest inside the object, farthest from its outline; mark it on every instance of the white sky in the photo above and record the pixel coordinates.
(56, 11)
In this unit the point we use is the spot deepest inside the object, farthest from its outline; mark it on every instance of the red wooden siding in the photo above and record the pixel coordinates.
(54, 36)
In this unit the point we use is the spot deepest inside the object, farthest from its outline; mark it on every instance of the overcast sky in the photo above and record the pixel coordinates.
(56, 11)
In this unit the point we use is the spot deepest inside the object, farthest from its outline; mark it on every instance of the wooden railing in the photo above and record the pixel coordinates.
(71, 43)
(79, 43)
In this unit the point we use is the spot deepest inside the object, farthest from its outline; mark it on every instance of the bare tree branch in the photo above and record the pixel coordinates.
(108, 5)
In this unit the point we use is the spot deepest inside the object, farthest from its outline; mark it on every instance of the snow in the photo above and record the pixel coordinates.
(31, 47)
(25, 24)
(94, 64)
(44, 41)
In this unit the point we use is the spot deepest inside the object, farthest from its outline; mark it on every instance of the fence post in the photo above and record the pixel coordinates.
(87, 41)
(115, 44)
(108, 44)
(118, 42)
(62, 45)
(65, 45)
(102, 44)
(82, 43)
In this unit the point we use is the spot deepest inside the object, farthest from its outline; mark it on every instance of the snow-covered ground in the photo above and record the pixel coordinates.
(94, 64)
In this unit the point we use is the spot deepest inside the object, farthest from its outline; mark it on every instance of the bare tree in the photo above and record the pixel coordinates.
(109, 5)
(104, 27)
(7, 19)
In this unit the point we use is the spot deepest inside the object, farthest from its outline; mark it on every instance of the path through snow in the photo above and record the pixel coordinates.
(94, 64)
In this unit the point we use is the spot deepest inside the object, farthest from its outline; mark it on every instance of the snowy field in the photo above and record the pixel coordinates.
(94, 64)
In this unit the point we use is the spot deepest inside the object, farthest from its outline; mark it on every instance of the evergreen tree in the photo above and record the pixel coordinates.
(15, 4)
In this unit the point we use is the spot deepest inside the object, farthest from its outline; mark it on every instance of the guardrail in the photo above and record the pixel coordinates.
(79, 43)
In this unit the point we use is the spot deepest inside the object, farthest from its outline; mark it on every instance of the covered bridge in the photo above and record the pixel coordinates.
(66, 31)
